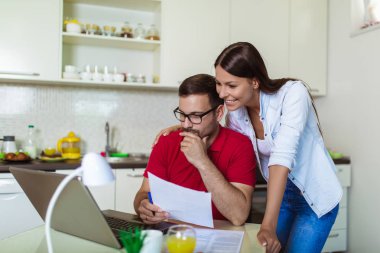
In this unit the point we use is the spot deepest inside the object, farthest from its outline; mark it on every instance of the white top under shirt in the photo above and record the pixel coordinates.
(264, 147)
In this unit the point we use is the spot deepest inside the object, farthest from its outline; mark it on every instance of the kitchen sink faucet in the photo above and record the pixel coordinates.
(108, 148)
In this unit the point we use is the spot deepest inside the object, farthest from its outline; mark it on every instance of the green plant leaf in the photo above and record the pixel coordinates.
(132, 241)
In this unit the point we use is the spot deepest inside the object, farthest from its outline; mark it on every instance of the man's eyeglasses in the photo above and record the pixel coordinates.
(195, 118)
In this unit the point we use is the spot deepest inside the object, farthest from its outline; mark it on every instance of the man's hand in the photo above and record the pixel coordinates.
(268, 239)
(150, 213)
(194, 148)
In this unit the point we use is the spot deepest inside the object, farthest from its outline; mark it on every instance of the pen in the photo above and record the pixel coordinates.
(150, 198)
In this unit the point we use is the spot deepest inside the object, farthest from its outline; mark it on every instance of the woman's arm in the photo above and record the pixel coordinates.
(276, 186)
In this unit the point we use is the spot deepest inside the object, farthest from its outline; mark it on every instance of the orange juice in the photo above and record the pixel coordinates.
(180, 245)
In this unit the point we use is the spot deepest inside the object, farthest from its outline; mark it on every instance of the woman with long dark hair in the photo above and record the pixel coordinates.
(280, 118)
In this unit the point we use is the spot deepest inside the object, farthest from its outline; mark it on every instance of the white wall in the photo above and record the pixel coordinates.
(135, 116)
(351, 120)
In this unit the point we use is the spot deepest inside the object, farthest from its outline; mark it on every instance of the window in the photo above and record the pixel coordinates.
(365, 14)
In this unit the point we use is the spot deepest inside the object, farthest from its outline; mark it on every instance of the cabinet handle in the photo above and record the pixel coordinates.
(314, 90)
(333, 235)
(261, 186)
(9, 196)
(19, 73)
(135, 175)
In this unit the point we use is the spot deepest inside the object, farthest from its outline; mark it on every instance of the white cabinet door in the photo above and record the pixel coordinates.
(128, 182)
(308, 43)
(104, 195)
(193, 34)
(17, 213)
(29, 38)
(265, 24)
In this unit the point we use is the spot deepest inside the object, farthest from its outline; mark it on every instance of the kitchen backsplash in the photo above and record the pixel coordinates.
(135, 116)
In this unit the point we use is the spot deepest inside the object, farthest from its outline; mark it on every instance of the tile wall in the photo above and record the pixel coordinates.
(135, 116)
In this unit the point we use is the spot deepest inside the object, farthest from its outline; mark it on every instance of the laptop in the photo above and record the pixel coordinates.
(76, 212)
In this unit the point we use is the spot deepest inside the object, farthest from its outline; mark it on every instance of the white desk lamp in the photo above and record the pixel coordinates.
(95, 171)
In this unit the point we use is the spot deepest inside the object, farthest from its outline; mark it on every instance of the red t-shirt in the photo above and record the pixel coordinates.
(231, 152)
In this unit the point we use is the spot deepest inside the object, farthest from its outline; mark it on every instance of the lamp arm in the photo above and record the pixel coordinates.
(52, 203)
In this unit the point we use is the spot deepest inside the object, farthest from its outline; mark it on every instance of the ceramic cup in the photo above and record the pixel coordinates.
(118, 77)
(86, 76)
(70, 69)
(152, 242)
(98, 77)
(107, 77)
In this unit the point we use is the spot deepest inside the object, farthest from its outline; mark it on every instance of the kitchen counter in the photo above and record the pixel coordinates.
(66, 165)
(73, 164)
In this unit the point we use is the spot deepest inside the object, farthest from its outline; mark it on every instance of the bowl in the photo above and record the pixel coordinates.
(73, 28)
(49, 151)
(67, 75)
(70, 69)
(118, 77)
(86, 76)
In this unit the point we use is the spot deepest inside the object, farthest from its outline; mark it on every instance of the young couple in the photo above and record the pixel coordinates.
(277, 124)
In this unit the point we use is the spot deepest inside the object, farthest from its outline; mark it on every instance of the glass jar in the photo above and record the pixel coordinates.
(152, 33)
(139, 32)
(127, 30)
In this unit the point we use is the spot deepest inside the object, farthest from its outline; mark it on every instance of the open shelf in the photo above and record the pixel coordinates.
(109, 41)
(141, 5)
(81, 83)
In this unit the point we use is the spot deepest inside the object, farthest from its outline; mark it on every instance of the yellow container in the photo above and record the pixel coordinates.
(69, 146)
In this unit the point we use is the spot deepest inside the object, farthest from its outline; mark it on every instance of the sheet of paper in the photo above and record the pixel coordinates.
(221, 241)
(182, 203)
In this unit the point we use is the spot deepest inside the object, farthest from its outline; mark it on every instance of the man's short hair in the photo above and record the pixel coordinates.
(198, 85)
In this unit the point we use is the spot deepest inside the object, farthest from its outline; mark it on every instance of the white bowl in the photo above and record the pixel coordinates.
(70, 69)
(67, 75)
(118, 77)
(73, 28)
(86, 76)
(97, 77)
(107, 77)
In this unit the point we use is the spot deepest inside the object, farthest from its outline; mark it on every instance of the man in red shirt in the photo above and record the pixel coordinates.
(202, 156)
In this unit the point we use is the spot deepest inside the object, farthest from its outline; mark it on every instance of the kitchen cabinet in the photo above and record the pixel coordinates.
(308, 43)
(193, 34)
(16, 211)
(290, 35)
(128, 182)
(29, 40)
(104, 195)
(337, 240)
(265, 25)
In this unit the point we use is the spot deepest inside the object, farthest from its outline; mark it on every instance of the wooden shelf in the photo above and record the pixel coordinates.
(109, 41)
(81, 83)
(141, 5)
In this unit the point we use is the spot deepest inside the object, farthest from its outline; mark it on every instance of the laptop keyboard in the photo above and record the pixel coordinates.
(119, 224)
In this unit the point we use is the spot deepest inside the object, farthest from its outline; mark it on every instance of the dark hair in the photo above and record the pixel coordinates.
(201, 84)
(242, 59)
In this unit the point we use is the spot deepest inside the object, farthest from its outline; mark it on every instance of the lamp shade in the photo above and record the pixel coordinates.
(96, 170)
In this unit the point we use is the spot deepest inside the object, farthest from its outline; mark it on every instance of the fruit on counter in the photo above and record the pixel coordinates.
(335, 155)
(19, 156)
(50, 155)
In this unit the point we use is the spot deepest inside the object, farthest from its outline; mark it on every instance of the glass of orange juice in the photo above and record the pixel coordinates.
(181, 239)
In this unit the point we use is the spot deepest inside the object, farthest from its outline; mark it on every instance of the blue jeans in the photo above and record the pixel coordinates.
(298, 228)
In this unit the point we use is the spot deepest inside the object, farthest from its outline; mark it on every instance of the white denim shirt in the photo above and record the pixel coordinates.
(290, 125)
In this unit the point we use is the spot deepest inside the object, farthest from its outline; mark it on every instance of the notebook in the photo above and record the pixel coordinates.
(76, 212)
